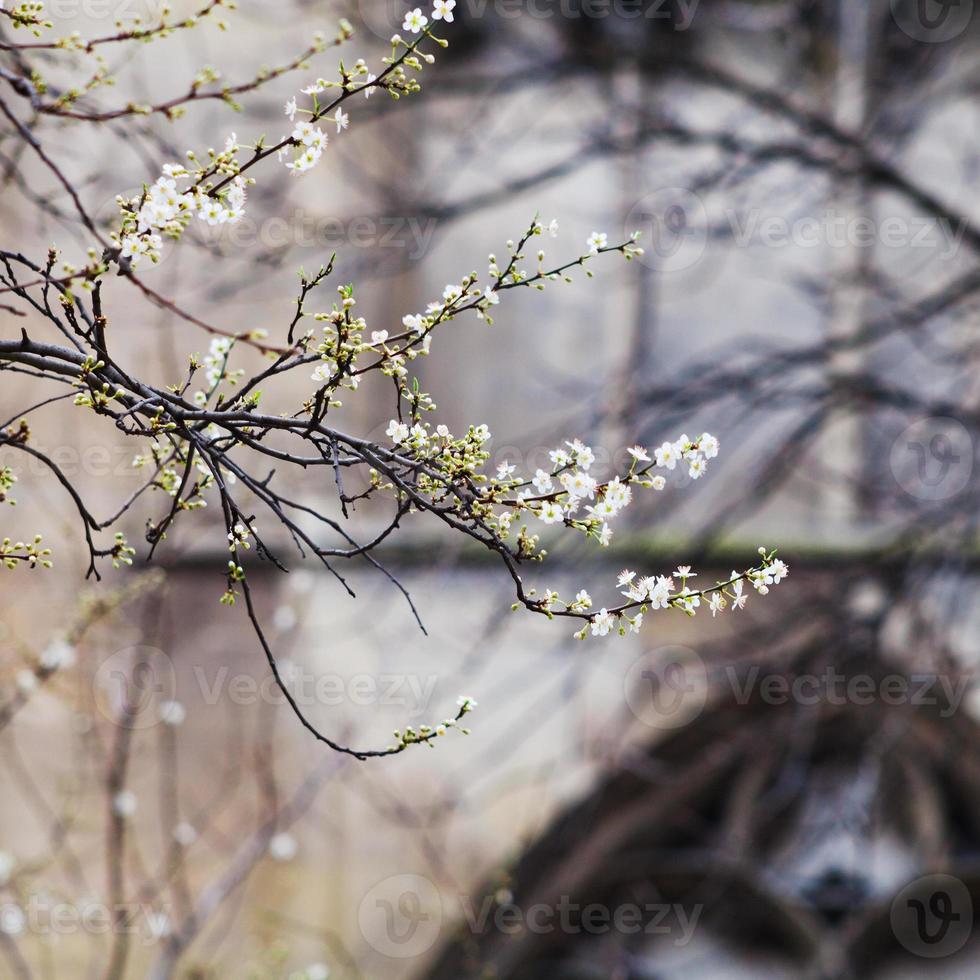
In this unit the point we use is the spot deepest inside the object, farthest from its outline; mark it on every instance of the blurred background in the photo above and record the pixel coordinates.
(790, 790)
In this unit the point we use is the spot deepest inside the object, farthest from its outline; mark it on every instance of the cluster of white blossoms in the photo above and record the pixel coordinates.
(307, 142)
(652, 592)
(695, 454)
(302, 149)
(567, 493)
(216, 191)
(165, 210)
(415, 21)
(216, 371)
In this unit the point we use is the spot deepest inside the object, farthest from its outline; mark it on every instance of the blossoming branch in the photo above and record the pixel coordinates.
(207, 441)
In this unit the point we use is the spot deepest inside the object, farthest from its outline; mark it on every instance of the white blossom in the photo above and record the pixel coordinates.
(443, 10)
(596, 241)
(58, 655)
(397, 431)
(283, 847)
(26, 681)
(550, 512)
(324, 371)
(583, 454)
(666, 455)
(578, 483)
(660, 592)
(542, 482)
(172, 713)
(184, 834)
(415, 21)
(601, 623)
(124, 803)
